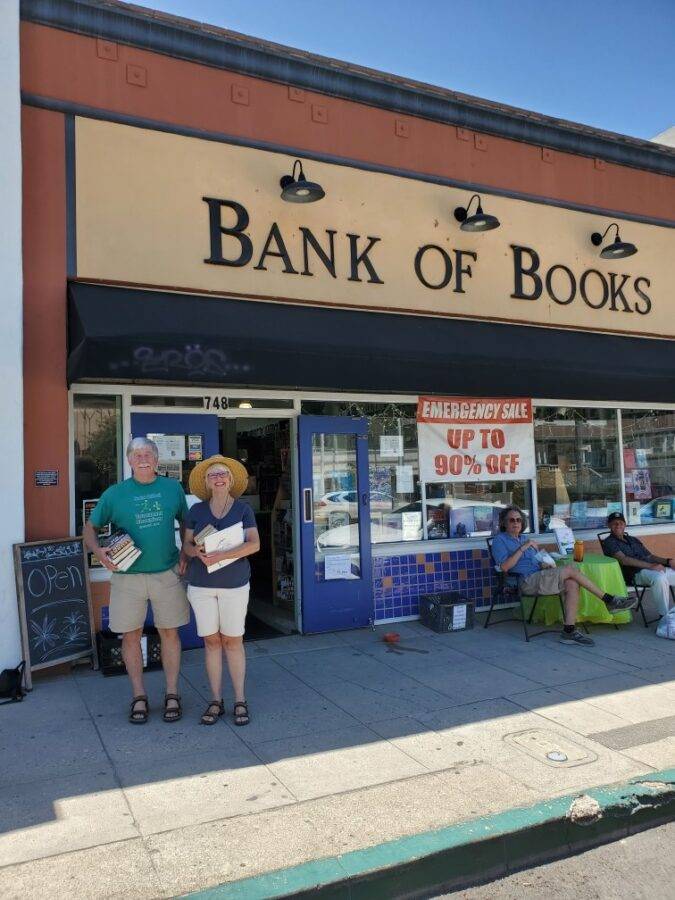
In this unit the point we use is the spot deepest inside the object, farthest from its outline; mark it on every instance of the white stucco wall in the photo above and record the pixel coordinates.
(11, 378)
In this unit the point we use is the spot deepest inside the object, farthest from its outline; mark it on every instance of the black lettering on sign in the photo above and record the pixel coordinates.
(217, 230)
(571, 285)
(641, 294)
(604, 288)
(521, 271)
(357, 259)
(328, 259)
(281, 252)
(54, 602)
(447, 263)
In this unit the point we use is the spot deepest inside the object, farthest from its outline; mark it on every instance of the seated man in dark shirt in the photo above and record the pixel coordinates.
(638, 565)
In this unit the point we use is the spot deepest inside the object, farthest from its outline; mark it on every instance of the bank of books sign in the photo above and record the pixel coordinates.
(475, 439)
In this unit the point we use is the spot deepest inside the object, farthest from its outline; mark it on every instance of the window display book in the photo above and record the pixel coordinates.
(220, 541)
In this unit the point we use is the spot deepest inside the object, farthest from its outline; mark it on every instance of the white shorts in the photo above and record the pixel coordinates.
(219, 609)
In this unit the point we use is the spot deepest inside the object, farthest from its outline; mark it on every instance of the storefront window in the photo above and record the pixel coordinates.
(97, 450)
(395, 506)
(578, 473)
(649, 465)
(471, 509)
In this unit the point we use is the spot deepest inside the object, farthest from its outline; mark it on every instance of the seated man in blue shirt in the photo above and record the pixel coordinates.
(638, 565)
(515, 553)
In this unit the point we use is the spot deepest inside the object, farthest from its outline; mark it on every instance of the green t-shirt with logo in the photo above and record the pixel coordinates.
(148, 513)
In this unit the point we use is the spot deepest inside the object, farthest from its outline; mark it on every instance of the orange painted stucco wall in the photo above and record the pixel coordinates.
(72, 67)
(44, 350)
(149, 85)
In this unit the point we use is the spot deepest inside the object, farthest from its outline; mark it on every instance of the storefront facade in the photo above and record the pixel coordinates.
(202, 307)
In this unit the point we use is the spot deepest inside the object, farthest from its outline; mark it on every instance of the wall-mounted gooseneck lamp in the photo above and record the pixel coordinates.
(618, 249)
(479, 221)
(296, 189)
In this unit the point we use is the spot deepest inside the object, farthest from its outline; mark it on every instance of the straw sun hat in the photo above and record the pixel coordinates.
(198, 476)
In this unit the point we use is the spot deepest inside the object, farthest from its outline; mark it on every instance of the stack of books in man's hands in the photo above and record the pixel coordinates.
(202, 535)
(122, 551)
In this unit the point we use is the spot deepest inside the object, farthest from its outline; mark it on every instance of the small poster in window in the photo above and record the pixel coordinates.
(412, 525)
(170, 446)
(640, 458)
(404, 480)
(633, 512)
(391, 446)
(170, 468)
(663, 509)
(437, 522)
(642, 486)
(195, 450)
(462, 521)
(338, 566)
(629, 459)
(88, 507)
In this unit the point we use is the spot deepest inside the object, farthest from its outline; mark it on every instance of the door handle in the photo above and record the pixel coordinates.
(307, 505)
(365, 498)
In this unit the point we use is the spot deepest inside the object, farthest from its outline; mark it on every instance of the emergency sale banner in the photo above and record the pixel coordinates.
(475, 439)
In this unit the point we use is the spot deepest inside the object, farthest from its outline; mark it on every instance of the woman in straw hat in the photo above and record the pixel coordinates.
(219, 599)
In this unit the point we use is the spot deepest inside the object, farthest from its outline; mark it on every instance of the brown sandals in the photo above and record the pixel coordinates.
(139, 716)
(212, 712)
(241, 718)
(172, 713)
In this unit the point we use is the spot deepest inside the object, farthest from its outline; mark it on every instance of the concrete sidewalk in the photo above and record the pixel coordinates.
(352, 743)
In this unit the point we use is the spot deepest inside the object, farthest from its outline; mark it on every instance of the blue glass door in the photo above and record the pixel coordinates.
(337, 588)
(179, 436)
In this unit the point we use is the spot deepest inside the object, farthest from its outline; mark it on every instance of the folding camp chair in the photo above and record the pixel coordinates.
(508, 590)
(638, 589)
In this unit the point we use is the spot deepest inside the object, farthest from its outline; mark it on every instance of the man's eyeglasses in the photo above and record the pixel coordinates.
(511, 519)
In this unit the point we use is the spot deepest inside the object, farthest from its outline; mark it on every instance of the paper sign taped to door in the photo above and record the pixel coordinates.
(338, 566)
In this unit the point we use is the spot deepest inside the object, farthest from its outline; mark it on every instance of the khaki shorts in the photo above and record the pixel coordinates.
(129, 595)
(219, 609)
(544, 582)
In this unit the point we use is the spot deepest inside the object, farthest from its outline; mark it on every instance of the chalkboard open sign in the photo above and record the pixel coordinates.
(52, 582)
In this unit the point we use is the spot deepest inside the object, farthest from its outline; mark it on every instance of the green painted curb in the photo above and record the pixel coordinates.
(480, 849)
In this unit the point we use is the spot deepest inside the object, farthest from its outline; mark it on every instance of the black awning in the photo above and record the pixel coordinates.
(126, 334)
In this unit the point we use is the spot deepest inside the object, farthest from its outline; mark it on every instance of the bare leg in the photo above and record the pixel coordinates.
(214, 664)
(571, 601)
(133, 660)
(573, 574)
(236, 663)
(171, 648)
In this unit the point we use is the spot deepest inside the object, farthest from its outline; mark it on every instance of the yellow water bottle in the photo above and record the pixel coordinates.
(578, 551)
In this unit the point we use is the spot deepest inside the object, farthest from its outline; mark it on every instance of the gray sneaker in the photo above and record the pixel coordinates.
(619, 603)
(576, 637)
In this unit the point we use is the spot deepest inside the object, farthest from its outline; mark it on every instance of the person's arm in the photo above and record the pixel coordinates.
(634, 563)
(101, 553)
(508, 562)
(251, 545)
(182, 516)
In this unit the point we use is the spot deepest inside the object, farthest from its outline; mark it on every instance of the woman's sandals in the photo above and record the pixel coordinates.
(213, 711)
(241, 718)
(138, 715)
(172, 713)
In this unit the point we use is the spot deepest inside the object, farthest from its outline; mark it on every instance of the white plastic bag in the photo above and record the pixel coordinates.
(545, 559)
(666, 627)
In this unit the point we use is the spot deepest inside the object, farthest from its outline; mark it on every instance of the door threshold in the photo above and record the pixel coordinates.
(271, 616)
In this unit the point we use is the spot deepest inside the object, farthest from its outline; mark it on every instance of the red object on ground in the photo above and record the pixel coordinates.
(391, 637)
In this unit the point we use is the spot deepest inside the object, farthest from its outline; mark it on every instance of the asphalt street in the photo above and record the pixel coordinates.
(640, 866)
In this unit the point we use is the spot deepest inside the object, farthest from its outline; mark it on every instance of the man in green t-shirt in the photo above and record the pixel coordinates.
(146, 507)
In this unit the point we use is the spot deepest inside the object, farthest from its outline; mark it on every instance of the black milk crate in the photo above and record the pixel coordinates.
(110, 651)
(446, 611)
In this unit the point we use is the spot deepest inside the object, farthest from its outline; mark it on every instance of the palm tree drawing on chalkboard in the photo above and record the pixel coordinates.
(72, 634)
(45, 635)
